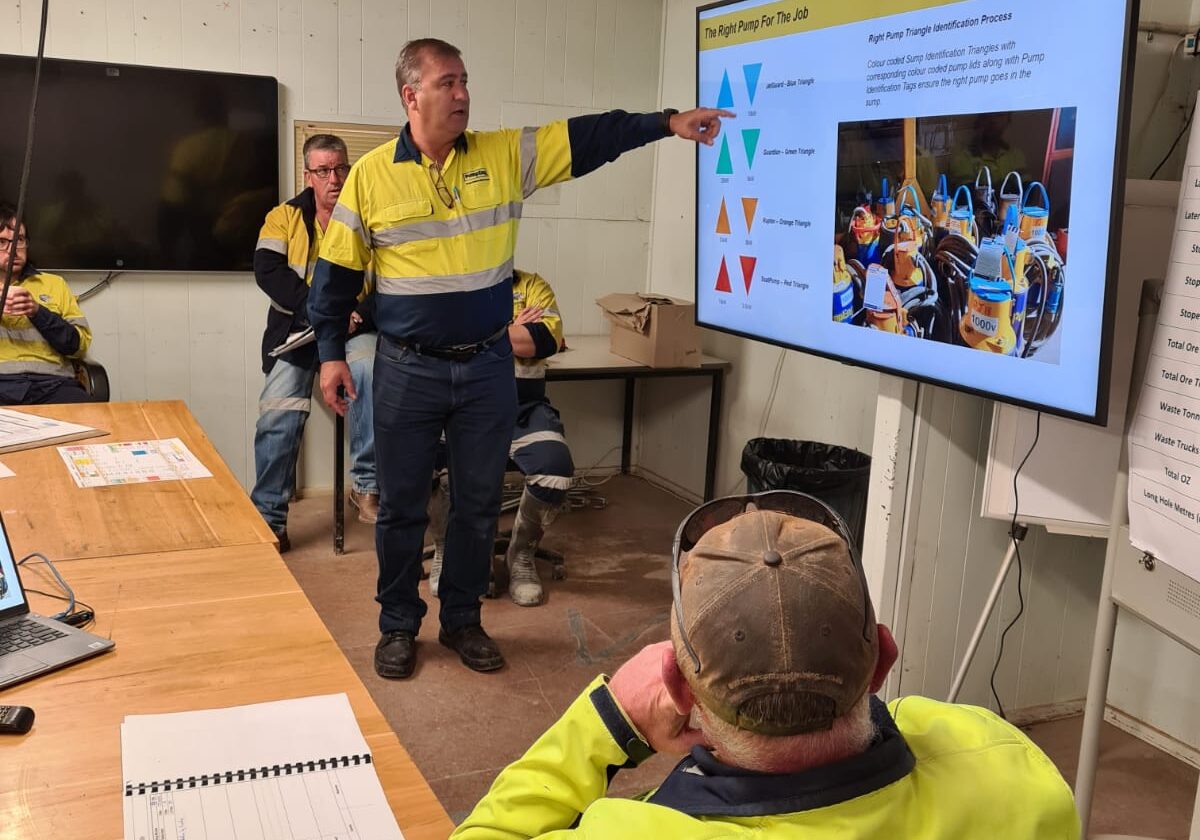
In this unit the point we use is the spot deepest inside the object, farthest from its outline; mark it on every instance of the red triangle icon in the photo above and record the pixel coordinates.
(748, 264)
(723, 278)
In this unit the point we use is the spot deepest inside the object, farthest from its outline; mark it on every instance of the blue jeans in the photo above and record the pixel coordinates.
(416, 398)
(283, 410)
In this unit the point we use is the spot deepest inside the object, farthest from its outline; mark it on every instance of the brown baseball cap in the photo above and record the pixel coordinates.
(777, 611)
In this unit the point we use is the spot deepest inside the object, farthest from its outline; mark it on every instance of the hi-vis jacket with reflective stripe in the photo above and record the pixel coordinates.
(443, 241)
(283, 262)
(532, 290)
(56, 333)
(936, 771)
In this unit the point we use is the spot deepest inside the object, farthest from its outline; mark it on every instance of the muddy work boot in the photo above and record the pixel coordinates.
(533, 517)
(439, 511)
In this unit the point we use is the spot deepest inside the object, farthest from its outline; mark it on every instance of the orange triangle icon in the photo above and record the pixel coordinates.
(723, 220)
(749, 205)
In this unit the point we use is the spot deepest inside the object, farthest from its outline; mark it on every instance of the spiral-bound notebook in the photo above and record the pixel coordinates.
(289, 770)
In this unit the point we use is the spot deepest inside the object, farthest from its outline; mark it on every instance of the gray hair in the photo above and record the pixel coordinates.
(408, 63)
(850, 734)
(324, 143)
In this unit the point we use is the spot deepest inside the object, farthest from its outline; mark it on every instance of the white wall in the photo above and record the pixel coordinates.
(1163, 90)
(196, 337)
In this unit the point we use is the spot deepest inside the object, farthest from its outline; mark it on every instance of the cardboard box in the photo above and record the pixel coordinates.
(656, 330)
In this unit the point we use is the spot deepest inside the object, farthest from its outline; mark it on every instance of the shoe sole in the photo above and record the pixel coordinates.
(483, 666)
(390, 673)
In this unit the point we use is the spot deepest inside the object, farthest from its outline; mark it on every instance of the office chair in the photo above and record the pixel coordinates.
(93, 377)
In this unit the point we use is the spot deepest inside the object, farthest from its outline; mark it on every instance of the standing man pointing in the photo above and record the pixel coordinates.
(438, 209)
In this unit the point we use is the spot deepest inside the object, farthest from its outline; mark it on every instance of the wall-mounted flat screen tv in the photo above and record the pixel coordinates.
(141, 168)
(925, 187)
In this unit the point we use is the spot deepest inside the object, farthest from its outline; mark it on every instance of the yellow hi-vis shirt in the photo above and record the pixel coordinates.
(23, 348)
(939, 771)
(443, 237)
(434, 231)
(531, 290)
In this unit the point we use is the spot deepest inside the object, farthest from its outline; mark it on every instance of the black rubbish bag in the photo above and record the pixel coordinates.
(837, 475)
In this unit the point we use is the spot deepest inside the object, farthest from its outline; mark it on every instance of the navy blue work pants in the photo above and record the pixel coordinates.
(416, 398)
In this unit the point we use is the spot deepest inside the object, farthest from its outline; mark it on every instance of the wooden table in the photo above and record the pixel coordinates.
(194, 629)
(44, 510)
(588, 357)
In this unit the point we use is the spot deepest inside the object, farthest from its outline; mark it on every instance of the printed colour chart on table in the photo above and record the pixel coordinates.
(131, 462)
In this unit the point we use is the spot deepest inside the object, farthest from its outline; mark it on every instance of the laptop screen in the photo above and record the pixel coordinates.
(11, 596)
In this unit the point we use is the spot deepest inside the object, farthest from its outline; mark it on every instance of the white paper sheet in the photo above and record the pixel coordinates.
(131, 462)
(19, 430)
(1164, 443)
(289, 770)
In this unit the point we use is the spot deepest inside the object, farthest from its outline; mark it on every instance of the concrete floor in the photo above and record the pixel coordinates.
(462, 728)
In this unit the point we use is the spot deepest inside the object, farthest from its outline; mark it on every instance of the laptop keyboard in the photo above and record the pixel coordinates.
(23, 634)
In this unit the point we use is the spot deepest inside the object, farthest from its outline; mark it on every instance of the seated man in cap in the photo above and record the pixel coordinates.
(768, 685)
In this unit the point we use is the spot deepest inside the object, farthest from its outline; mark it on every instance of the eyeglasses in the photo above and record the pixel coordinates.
(6, 243)
(711, 514)
(322, 173)
(435, 175)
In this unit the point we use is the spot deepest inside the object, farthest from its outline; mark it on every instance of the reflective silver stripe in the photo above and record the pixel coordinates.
(535, 437)
(78, 322)
(526, 370)
(27, 335)
(301, 270)
(557, 482)
(285, 404)
(456, 226)
(528, 161)
(268, 243)
(350, 219)
(31, 366)
(279, 308)
(447, 283)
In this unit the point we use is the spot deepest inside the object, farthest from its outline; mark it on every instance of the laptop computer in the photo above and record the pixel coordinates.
(31, 644)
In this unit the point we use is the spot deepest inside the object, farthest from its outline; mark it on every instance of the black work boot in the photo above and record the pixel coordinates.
(396, 655)
(474, 647)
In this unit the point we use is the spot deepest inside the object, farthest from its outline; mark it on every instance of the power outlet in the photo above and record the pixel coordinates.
(1189, 44)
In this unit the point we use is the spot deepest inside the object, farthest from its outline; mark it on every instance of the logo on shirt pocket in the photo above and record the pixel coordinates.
(44, 298)
(476, 176)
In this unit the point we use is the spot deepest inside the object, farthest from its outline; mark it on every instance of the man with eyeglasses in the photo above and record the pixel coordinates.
(42, 329)
(767, 688)
(283, 267)
(437, 209)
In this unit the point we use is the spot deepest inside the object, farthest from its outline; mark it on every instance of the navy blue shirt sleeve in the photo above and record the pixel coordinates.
(597, 139)
(332, 298)
(59, 333)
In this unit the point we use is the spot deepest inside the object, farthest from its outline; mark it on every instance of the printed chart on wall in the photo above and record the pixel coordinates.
(1164, 443)
(896, 190)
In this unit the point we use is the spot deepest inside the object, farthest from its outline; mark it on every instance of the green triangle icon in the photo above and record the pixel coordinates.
(724, 162)
(750, 139)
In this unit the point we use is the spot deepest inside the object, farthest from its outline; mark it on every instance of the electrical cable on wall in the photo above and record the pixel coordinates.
(1186, 124)
(1017, 533)
(28, 162)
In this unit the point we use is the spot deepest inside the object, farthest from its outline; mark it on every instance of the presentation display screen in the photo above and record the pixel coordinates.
(924, 187)
(144, 168)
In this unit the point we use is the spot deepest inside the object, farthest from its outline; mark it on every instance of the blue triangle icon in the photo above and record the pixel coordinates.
(725, 100)
(751, 72)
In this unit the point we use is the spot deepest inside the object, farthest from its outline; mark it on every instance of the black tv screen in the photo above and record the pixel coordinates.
(141, 168)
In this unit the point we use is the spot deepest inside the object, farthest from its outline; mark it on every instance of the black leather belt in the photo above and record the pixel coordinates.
(453, 353)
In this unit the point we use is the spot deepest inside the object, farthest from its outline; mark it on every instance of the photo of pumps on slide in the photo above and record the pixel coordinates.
(954, 229)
